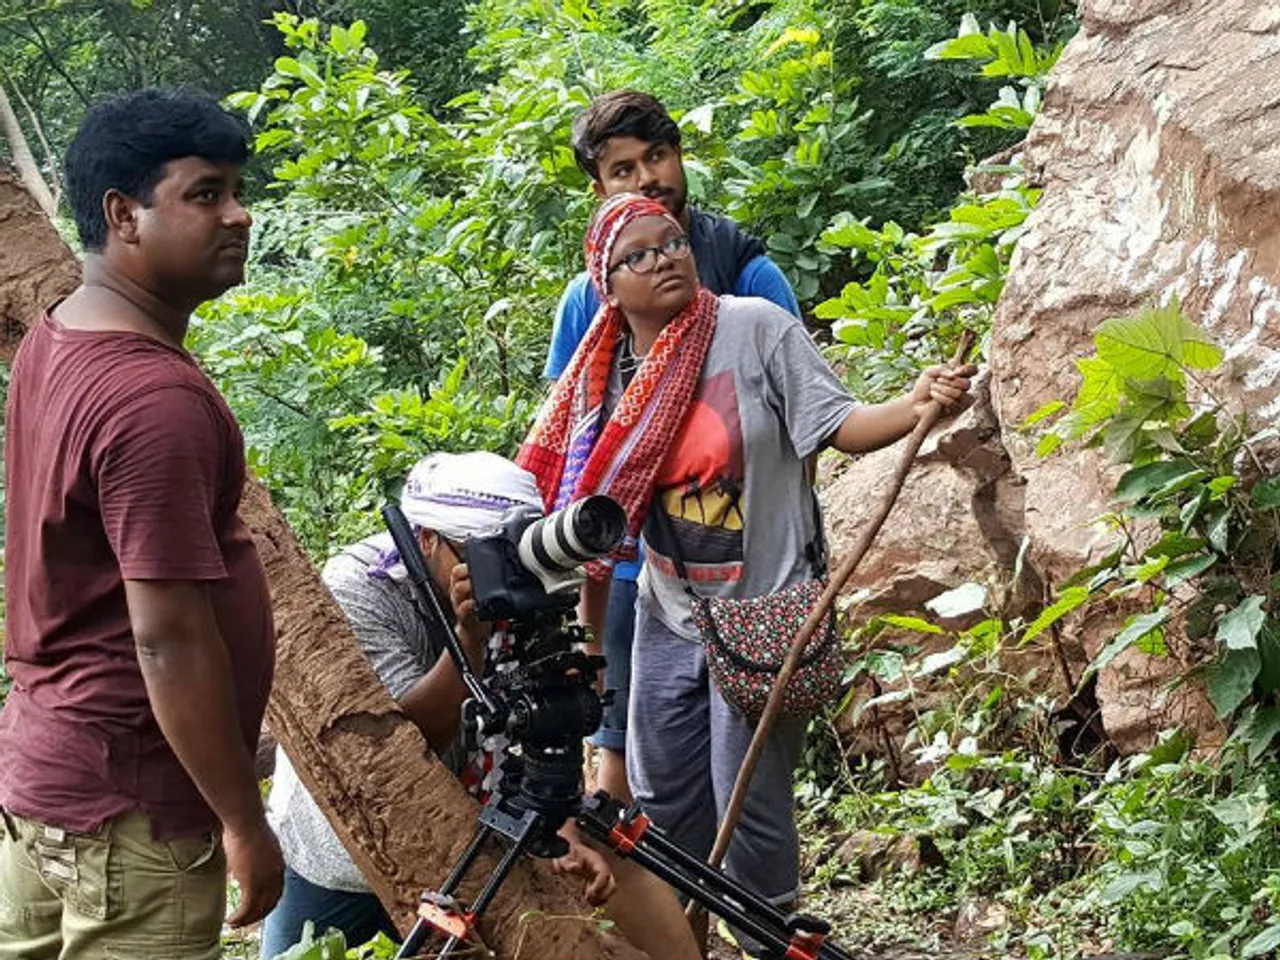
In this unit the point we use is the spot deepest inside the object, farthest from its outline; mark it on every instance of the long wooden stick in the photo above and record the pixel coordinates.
(733, 813)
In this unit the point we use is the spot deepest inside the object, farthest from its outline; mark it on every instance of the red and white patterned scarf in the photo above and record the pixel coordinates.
(570, 452)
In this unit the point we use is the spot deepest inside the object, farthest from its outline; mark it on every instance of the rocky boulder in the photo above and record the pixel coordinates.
(1158, 151)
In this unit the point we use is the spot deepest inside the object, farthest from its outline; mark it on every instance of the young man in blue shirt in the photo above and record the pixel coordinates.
(625, 141)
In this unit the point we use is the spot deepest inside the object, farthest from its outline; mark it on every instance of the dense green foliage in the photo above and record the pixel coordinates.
(409, 257)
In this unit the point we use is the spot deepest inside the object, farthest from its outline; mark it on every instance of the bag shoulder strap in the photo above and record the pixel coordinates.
(815, 551)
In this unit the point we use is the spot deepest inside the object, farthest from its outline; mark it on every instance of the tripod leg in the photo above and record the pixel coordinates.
(422, 929)
(530, 824)
(628, 833)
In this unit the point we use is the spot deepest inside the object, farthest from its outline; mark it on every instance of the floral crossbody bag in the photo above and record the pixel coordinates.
(747, 640)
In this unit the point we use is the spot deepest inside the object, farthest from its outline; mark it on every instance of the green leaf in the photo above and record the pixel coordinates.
(1266, 493)
(1099, 395)
(1269, 650)
(1173, 747)
(1156, 344)
(974, 46)
(1230, 679)
(1148, 569)
(1192, 508)
(1183, 570)
(1220, 530)
(1136, 628)
(1049, 443)
(1261, 731)
(1264, 943)
(1128, 883)
(911, 623)
(1174, 544)
(1067, 601)
(1048, 410)
(1238, 630)
(1147, 479)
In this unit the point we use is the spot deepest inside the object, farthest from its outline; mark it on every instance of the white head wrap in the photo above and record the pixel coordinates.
(459, 495)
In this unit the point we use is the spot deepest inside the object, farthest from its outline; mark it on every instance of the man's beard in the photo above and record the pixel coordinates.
(674, 200)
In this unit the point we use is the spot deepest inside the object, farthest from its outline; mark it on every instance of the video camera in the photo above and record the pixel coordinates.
(532, 563)
(525, 573)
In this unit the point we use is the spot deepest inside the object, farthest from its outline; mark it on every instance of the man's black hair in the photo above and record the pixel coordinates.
(620, 113)
(125, 142)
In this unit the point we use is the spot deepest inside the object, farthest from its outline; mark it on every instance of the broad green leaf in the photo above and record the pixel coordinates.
(1174, 544)
(1192, 508)
(1269, 650)
(1173, 747)
(1264, 943)
(973, 46)
(1067, 601)
(1219, 531)
(1220, 485)
(1048, 410)
(1135, 629)
(805, 36)
(1128, 883)
(1230, 679)
(1099, 395)
(1266, 493)
(1261, 731)
(1049, 443)
(1148, 569)
(1183, 570)
(1156, 343)
(846, 231)
(1238, 629)
(1142, 481)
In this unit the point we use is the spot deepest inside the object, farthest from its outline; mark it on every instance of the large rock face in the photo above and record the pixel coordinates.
(1159, 153)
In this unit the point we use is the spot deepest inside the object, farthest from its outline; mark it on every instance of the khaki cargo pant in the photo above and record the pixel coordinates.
(112, 895)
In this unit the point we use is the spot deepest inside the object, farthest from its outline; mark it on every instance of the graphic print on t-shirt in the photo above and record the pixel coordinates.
(701, 485)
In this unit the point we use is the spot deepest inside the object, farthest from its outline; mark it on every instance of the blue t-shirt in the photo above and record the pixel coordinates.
(579, 303)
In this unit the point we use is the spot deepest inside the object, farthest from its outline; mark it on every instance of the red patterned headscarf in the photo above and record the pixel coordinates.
(613, 216)
(571, 450)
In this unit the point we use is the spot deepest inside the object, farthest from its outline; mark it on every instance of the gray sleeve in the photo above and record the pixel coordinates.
(384, 623)
(810, 397)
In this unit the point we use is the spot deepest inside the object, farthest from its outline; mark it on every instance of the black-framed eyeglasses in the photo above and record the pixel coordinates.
(645, 259)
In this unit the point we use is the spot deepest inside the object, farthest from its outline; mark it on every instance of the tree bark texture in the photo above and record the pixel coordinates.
(23, 159)
(397, 809)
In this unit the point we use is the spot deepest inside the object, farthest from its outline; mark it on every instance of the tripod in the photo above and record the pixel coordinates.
(547, 706)
(629, 833)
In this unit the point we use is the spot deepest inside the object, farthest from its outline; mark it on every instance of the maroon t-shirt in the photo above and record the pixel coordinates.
(122, 461)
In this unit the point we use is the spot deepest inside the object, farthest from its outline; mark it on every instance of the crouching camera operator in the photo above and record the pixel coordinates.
(447, 498)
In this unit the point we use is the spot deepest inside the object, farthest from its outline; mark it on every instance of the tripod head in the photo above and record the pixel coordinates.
(543, 700)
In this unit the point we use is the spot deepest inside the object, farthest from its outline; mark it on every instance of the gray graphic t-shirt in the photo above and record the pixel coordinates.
(734, 482)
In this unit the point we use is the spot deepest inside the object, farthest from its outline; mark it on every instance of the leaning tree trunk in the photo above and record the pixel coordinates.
(23, 159)
(396, 808)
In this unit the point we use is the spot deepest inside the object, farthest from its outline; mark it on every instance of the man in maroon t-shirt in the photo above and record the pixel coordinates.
(138, 624)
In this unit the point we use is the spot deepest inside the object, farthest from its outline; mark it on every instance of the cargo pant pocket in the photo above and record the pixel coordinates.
(77, 867)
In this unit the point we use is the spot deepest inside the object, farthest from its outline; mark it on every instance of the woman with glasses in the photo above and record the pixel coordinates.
(697, 413)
